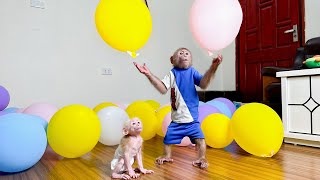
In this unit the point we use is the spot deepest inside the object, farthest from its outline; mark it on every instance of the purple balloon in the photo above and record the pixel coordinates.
(205, 110)
(4, 98)
(230, 104)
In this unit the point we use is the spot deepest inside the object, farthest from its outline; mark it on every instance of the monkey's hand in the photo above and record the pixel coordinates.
(146, 171)
(216, 61)
(143, 69)
(132, 174)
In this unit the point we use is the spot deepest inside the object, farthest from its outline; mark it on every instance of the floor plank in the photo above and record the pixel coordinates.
(291, 162)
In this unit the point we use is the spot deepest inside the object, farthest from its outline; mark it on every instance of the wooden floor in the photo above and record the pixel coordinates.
(291, 162)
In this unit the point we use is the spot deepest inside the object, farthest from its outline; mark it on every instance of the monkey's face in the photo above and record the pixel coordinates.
(182, 58)
(135, 126)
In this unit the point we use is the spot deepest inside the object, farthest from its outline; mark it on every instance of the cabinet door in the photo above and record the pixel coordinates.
(303, 104)
(315, 94)
(298, 114)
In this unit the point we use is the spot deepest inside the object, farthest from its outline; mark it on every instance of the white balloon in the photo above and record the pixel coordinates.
(111, 119)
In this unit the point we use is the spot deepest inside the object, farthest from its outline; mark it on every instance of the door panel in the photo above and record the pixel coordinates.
(263, 42)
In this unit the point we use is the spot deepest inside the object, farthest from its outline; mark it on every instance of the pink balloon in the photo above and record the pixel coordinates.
(44, 110)
(20, 110)
(120, 105)
(185, 142)
(166, 122)
(215, 23)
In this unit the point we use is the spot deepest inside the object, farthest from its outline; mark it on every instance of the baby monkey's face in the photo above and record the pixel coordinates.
(135, 126)
(182, 58)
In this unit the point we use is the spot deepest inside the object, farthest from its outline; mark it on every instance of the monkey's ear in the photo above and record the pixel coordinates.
(171, 59)
(125, 131)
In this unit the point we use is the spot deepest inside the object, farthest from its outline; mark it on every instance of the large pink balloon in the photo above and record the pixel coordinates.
(20, 110)
(166, 122)
(44, 110)
(185, 142)
(215, 23)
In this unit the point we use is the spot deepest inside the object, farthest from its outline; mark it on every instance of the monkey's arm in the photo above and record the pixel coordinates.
(205, 81)
(140, 164)
(155, 81)
(127, 163)
(139, 159)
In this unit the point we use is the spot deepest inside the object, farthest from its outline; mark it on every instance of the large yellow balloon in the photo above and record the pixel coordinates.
(146, 113)
(161, 113)
(149, 122)
(154, 104)
(73, 131)
(257, 129)
(217, 131)
(125, 25)
(139, 105)
(103, 105)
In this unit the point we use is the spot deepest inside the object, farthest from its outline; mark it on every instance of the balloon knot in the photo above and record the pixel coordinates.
(133, 54)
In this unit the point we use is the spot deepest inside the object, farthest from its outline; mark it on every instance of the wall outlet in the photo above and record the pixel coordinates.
(106, 71)
(37, 4)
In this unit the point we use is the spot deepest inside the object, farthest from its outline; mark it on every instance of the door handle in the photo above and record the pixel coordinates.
(289, 31)
(294, 32)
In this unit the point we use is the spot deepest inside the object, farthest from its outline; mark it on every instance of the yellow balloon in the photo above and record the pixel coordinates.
(139, 105)
(73, 131)
(257, 129)
(149, 122)
(154, 104)
(160, 114)
(217, 131)
(103, 105)
(125, 25)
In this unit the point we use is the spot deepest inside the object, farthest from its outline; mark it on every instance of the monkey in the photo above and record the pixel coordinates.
(181, 82)
(128, 151)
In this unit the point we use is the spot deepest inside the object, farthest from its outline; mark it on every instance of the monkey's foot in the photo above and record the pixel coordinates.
(143, 171)
(120, 176)
(201, 163)
(162, 159)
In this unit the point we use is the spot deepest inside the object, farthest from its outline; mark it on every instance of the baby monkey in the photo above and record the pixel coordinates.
(128, 151)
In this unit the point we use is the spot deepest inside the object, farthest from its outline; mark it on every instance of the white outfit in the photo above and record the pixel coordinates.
(117, 156)
(184, 97)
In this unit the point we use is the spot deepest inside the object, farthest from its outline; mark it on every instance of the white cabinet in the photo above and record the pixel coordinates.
(301, 106)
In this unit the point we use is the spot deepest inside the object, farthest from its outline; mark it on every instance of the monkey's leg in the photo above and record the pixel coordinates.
(202, 161)
(166, 157)
(116, 172)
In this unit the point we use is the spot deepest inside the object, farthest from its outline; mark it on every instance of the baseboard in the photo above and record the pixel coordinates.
(209, 95)
(302, 142)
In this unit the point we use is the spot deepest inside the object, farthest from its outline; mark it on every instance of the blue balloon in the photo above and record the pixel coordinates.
(38, 119)
(11, 110)
(30, 117)
(222, 107)
(201, 103)
(23, 142)
(3, 113)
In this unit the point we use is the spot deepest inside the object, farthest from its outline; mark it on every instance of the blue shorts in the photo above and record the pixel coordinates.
(177, 131)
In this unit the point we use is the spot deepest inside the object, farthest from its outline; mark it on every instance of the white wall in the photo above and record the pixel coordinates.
(55, 54)
(312, 16)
